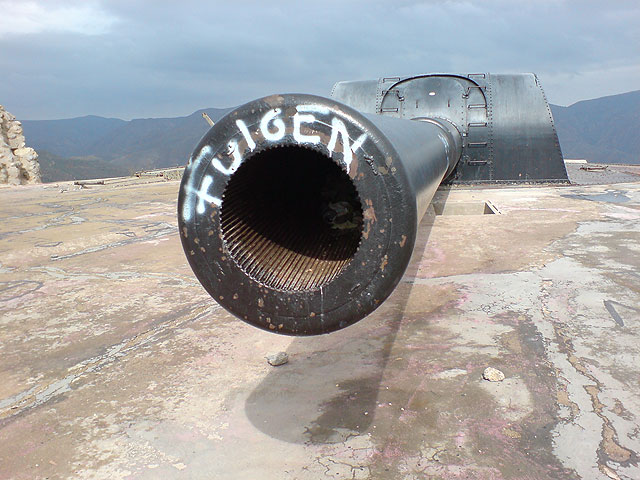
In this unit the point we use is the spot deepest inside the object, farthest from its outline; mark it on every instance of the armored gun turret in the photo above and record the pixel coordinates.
(299, 213)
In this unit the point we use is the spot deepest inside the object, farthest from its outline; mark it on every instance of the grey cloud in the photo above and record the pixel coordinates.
(165, 58)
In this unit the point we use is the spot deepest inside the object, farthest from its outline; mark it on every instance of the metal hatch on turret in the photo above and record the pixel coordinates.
(504, 120)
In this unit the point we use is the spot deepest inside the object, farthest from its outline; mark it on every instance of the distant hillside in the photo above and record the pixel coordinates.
(71, 137)
(603, 130)
(54, 168)
(123, 146)
(155, 142)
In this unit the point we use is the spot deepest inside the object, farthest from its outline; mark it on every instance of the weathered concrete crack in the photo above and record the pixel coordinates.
(17, 404)
(163, 230)
(12, 290)
(6, 269)
(69, 213)
(59, 273)
(609, 448)
(357, 471)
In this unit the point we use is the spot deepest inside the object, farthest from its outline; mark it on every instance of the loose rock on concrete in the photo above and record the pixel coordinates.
(492, 374)
(277, 359)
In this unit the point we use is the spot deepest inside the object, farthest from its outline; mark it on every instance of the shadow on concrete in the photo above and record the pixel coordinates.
(329, 389)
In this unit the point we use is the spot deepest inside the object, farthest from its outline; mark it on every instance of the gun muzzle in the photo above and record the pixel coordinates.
(298, 214)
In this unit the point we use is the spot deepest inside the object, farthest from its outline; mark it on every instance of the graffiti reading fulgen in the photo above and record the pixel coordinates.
(273, 129)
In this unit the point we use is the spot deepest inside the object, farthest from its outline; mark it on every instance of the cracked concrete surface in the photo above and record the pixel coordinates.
(116, 363)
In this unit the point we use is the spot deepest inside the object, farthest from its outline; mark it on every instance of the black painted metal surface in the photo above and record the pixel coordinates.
(299, 213)
(505, 121)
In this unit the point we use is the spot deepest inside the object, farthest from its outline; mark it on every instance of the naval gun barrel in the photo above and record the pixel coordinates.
(299, 214)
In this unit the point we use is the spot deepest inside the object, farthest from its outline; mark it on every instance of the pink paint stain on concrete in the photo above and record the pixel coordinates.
(392, 451)
(494, 428)
(210, 359)
(422, 369)
(63, 286)
(73, 337)
(19, 426)
(408, 416)
(433, 256)
(463, 298)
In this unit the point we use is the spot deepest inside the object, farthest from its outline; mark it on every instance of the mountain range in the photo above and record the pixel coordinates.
(97, 147)
(602, 130)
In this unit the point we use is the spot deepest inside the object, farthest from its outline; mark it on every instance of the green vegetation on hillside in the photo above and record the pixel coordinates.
(54, 168)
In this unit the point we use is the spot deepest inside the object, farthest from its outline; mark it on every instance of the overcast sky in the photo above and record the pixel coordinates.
(132, 59)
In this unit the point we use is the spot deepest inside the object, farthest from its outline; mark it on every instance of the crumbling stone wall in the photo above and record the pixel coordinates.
(18, 163)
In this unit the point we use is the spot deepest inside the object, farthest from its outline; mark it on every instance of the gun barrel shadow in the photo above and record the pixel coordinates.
(329, 390)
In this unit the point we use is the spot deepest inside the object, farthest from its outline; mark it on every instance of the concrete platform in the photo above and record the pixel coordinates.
(114, 362)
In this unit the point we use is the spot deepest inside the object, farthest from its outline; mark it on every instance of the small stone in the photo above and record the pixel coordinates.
(511, 433)
(492, 374)
(277, 359)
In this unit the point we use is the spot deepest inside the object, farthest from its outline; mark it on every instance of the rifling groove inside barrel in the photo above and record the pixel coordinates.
(291, 218)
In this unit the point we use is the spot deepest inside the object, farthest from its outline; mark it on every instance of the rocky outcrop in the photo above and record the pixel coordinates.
(18, 163)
